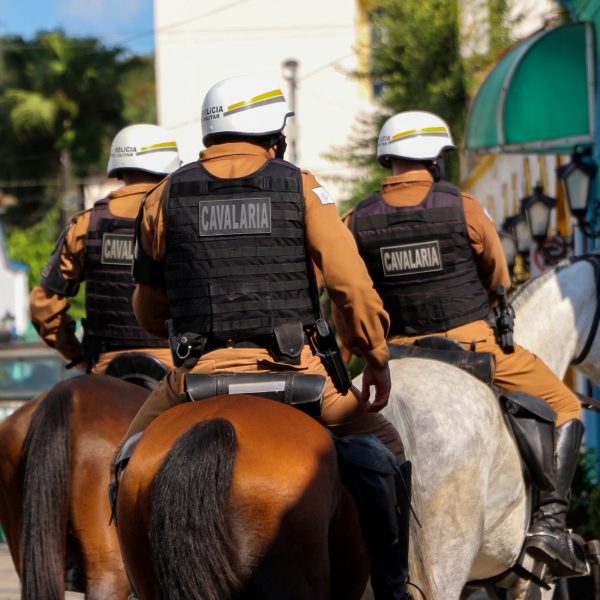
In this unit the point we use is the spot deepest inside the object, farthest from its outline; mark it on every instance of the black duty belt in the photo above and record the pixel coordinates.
(257, 342)
(261, 341)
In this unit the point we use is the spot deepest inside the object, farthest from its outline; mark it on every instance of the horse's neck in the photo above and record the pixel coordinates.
(554, 317)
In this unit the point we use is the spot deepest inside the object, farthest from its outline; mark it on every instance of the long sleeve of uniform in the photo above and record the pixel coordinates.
(334, 251)
(150, 304)
(49, 310)
(151, 309)
(489, 255)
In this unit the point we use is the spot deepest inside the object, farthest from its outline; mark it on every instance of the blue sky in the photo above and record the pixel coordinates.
(127, 23)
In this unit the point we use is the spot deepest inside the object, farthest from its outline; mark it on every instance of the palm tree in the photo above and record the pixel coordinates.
(60, 105)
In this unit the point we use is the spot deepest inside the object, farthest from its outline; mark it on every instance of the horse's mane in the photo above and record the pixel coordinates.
(530, 287)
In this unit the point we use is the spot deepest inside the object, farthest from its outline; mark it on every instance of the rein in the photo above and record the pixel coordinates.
(594, 260)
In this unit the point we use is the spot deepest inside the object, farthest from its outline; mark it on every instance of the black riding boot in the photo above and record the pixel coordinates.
(389, 570)
(548, 539)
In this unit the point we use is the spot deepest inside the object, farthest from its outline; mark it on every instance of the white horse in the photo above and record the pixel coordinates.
(468, 489)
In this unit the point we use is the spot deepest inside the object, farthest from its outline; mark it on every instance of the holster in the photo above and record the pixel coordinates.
(504, 322)
(186, 348)
(325, 346)
(91, 346)
(531, 421)
(288, 341)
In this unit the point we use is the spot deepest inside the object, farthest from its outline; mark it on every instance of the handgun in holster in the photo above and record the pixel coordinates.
(505, 321)
(326, 348)
(186, 348)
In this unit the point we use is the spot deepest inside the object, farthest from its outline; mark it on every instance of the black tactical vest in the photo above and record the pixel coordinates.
(421, 261)
(110, 323)
(236, 263)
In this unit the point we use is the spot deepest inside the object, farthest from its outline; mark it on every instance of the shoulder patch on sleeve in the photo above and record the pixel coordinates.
(323, 195)
(487, 214)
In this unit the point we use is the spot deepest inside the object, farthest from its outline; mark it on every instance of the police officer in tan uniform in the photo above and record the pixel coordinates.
(224, 253)
(97, 247)
(436, 260)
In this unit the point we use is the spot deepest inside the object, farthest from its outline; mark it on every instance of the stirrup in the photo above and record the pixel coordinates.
(575, 544)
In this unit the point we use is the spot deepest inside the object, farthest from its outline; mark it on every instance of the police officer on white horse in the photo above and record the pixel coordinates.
(436, 260)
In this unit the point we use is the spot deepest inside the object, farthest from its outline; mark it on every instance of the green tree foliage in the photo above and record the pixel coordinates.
(416, 64)
(33, 246)
(137, 87)
(584, 512)
(43, 235)
(56, 93)
(60, 94)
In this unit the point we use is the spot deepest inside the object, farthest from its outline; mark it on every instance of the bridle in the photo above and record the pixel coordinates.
(594, 260)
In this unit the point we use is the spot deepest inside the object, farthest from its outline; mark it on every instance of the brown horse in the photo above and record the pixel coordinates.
(55, 456)
(239, 497)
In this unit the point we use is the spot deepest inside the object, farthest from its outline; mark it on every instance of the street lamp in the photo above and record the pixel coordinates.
(289, 70)
(516, 226)
(537, 209)
(578, 179)
(509, 246)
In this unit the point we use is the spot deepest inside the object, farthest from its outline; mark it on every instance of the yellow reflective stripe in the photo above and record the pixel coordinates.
(397, 136)
(161, 145)
(265, 96)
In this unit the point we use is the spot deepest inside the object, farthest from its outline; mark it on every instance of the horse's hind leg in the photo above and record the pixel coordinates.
(349, 558)
(104, 570)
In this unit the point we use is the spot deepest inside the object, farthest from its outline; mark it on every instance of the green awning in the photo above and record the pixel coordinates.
(540, 97)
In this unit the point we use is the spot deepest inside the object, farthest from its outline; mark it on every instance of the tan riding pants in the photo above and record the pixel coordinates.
(342, 414)
(519, 371)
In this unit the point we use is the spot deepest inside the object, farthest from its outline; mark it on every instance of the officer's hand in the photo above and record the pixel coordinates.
(83, 365)
(380, 378)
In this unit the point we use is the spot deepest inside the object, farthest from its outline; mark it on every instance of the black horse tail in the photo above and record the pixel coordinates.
(46, 497)
(194, 555)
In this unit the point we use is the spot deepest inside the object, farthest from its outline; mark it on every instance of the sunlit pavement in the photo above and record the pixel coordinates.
(10, 589)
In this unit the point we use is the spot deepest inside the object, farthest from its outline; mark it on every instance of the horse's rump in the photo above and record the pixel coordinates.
(257, 488)
(58, 450)
(455, 435)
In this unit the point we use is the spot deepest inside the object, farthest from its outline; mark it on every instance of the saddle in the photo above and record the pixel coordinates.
(530, 419)
(481, 365)
(137, 367)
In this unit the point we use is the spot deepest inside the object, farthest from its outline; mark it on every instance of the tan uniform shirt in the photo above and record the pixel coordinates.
(49, 310)
(331, 246)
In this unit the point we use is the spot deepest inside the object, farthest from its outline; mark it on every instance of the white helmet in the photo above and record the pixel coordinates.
(414, 135)
(251, 105)
(143, 147)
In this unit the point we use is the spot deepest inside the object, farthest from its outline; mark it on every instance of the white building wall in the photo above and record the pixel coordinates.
(14, 298)
(199, 44)
(503, 181)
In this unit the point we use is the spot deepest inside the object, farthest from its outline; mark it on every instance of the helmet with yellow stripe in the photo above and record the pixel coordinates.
(244, 106)
(143, 147)
(413, 135)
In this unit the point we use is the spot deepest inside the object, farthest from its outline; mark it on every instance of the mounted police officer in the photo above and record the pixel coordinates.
(224, 253)
(437, 262)
(97, 247)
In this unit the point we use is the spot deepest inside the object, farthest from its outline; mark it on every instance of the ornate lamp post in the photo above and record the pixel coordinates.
(578, 178)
